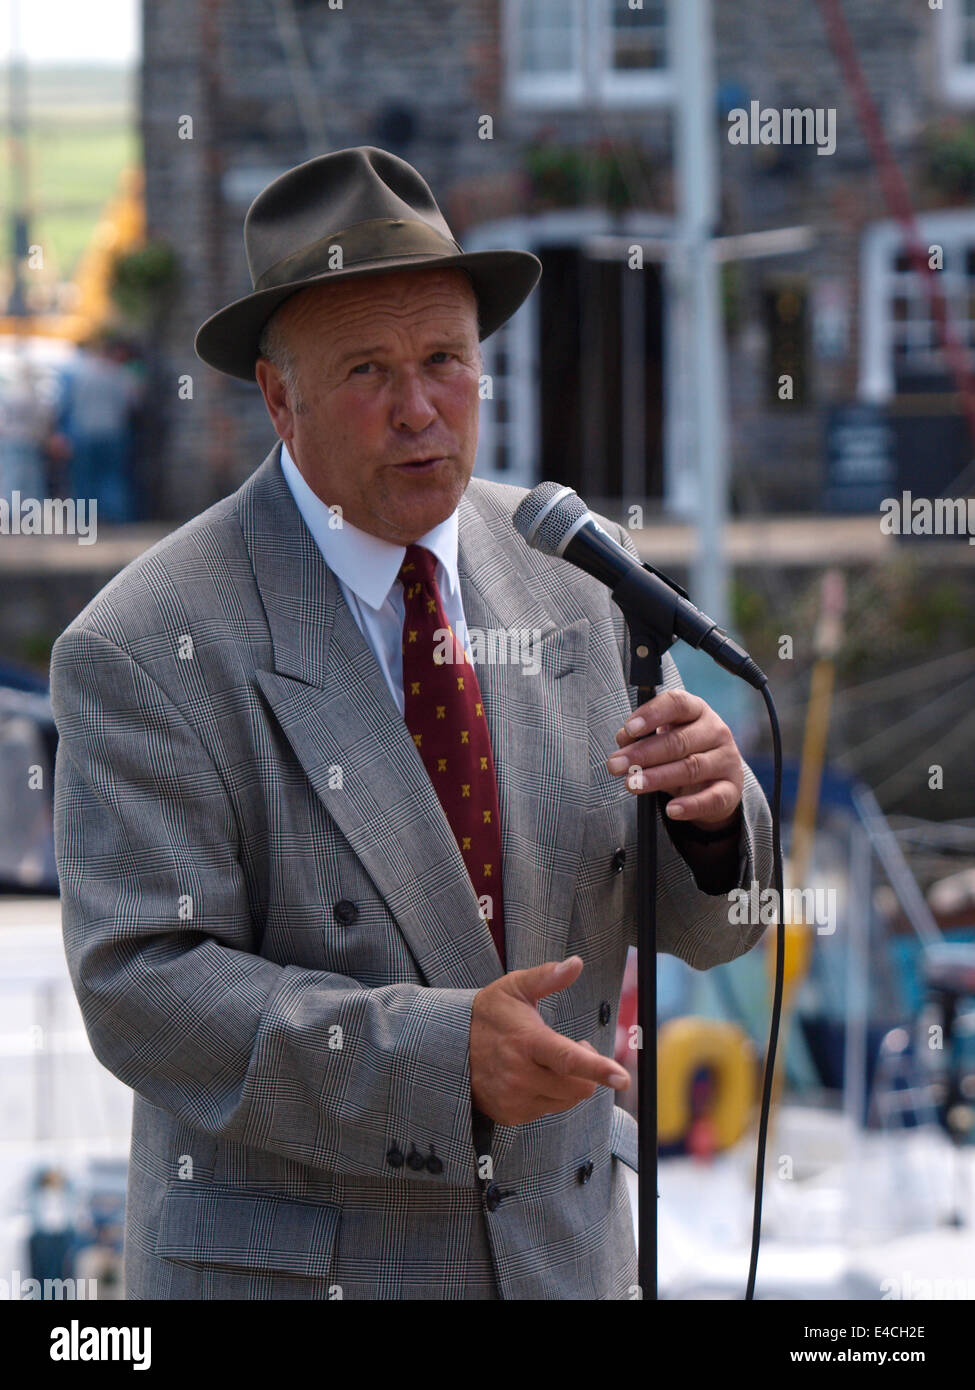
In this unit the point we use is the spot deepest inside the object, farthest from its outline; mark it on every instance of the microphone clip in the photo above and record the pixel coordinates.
(667, 579)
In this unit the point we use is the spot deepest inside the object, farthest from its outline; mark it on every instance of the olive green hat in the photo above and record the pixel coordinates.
(355, 212)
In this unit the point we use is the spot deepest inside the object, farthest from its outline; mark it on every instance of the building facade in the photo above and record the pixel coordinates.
(551, 125)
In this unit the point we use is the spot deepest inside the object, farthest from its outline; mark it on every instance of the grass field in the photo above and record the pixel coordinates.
(82, 132)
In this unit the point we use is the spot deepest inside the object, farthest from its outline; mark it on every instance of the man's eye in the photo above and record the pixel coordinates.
(443, 355)
(362, 368)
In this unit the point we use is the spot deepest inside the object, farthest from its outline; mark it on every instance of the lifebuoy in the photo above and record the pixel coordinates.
(684, 1046)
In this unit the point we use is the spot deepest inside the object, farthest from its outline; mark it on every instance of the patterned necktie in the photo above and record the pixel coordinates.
(443, 712)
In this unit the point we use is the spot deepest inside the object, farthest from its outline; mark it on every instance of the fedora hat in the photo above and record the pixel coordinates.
(341, 216)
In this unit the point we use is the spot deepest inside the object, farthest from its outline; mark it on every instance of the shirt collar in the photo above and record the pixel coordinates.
(368, 565)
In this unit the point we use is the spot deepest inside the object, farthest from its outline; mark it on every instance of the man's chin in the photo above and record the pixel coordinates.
(422, 502)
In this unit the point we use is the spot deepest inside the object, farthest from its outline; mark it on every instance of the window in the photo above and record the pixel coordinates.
(899, 337)
(786, 306)
(956, 32)
(571, 52)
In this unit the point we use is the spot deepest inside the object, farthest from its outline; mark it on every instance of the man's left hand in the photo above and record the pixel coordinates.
(684, 748)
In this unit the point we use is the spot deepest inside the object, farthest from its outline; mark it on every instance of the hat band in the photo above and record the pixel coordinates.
(379, 240)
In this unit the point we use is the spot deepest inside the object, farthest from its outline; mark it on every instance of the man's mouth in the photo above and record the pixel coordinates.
(424, 465)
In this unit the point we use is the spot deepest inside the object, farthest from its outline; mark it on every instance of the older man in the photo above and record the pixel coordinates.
(345, 906)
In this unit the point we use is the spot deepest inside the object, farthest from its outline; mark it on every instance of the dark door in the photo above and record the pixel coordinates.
(601, 376)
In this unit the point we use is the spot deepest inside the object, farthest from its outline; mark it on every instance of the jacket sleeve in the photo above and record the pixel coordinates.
(162, 947)
(701, 927)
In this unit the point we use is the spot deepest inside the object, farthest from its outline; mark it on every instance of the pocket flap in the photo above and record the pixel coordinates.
(623, 1135)
(207, 1225)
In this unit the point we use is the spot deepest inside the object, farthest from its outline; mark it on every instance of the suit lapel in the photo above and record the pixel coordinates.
(331, 702)
(536, 713)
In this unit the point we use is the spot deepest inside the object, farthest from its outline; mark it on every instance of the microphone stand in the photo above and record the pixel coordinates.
(650, 621)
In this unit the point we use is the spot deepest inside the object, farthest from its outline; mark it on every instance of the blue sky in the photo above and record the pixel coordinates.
(85, 31)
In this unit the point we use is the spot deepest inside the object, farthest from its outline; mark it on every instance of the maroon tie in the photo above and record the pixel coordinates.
(443, 712)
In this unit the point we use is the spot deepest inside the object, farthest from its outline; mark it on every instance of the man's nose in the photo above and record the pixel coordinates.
(412, 407)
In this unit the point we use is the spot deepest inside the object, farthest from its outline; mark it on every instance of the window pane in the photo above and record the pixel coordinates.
(546, 37)
(639, 36)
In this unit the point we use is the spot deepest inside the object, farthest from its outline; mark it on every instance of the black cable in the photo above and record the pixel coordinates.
(777, 991)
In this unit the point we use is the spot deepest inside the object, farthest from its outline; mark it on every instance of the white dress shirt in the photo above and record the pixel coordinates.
(367, 568)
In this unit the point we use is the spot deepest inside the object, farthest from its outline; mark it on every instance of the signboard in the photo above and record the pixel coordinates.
(860, 458)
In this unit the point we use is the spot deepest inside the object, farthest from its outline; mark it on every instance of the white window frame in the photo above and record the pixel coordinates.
(592, 80)
(652, 87)
(957, 76)
(544, 89)
(882, 243)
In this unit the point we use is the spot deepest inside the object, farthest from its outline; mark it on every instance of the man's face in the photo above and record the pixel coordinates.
(388, 371)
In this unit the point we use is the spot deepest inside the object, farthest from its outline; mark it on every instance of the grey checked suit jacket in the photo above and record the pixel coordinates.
(275, 942)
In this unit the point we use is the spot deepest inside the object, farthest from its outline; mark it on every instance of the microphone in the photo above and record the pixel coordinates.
(555, 520)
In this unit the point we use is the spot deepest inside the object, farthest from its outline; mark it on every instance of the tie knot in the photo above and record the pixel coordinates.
(419, 565)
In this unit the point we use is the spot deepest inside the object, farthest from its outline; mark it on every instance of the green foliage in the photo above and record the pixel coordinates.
(610, 174)
(902, 612)
(142, 279)
(950, 157)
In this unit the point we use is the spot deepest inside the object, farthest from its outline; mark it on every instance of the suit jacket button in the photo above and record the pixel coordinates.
(492, 1196)
(619, 859)
(394, 1157)
(434, 1164)
(415, 1160)
(605, 1012)
(345, 912)
(585, 1172)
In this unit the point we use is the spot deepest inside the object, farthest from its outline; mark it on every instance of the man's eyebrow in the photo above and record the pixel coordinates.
(434, 345)
(363, 353)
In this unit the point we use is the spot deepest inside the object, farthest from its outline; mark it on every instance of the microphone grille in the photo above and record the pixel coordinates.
(545, 514)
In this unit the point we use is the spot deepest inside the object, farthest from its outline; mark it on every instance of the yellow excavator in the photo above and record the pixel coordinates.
(120, 228)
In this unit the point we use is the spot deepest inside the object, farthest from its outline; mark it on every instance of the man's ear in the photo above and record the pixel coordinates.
(275, 394)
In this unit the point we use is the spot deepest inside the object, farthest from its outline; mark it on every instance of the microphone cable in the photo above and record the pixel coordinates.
(776, 992)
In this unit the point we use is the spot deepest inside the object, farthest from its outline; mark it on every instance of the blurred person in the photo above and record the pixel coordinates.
(349, 918)
(129, 358)
(25, 420)
(53, 1235)
(99, 396)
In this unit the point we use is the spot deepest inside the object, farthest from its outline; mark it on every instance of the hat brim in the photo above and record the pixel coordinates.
(502, 280)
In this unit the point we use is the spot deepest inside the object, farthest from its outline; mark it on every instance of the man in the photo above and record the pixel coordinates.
(350, 918)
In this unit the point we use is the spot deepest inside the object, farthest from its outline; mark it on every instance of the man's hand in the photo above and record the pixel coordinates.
(520, 1068)
(678, 744)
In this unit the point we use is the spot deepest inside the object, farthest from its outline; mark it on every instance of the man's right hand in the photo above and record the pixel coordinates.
(520, 1068)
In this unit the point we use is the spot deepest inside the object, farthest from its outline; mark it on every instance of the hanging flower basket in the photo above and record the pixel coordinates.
(949, 159)
(608, 174)
(142, 279)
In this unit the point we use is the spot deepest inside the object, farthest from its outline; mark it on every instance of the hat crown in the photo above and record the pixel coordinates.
(329, 194)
